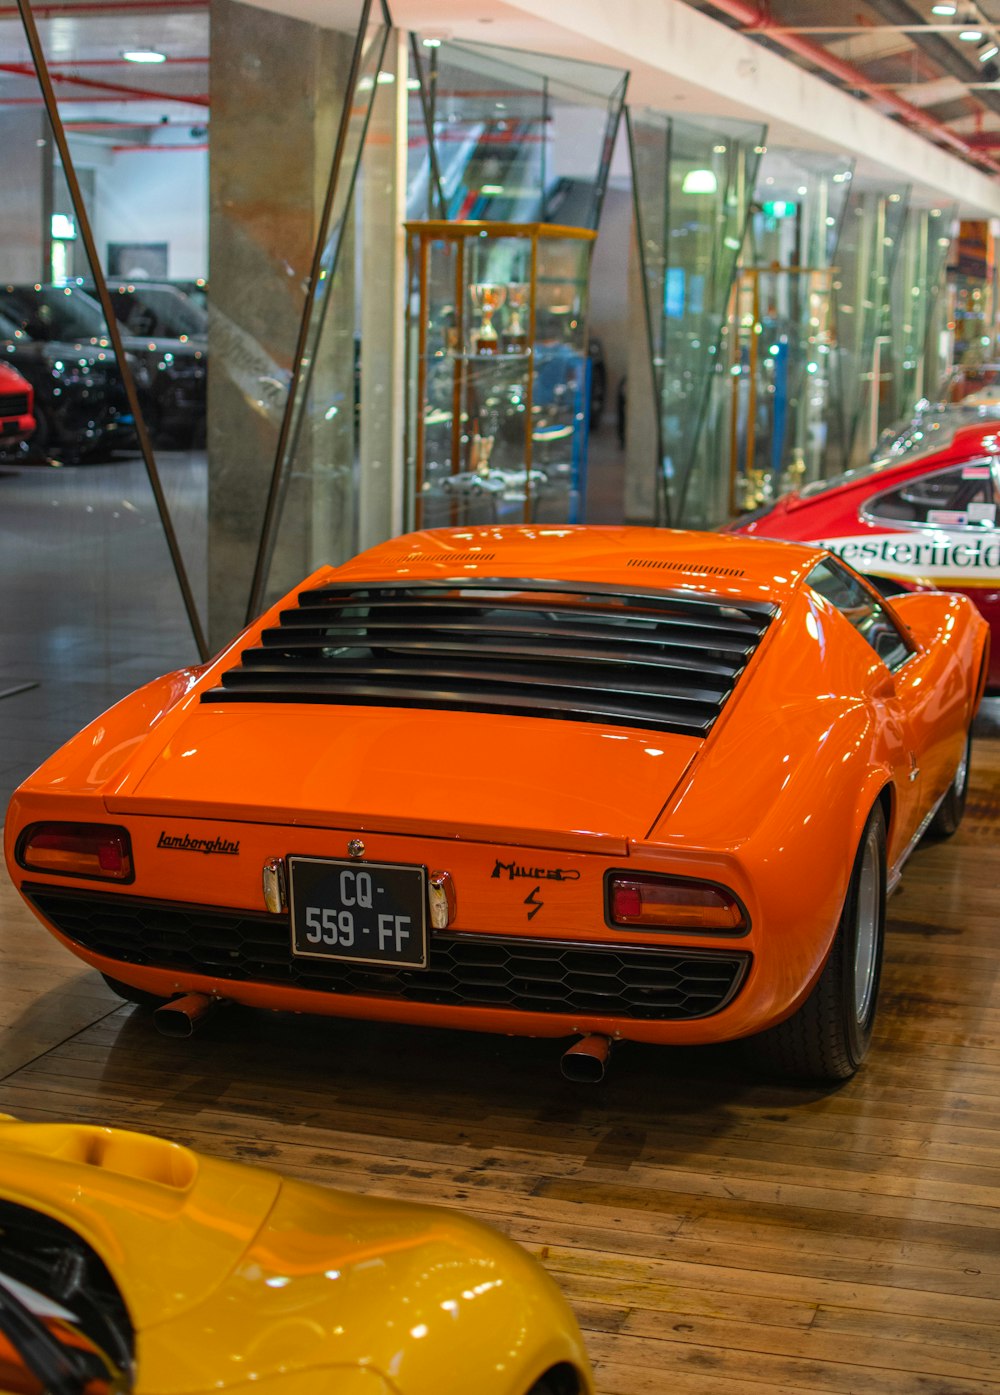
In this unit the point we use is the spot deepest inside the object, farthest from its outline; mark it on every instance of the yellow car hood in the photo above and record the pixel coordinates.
(337, 1281)
(234, 1277)
(169, 1223)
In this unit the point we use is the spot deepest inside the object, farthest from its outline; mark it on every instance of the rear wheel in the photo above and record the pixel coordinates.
(829, 1035)
(952, 807)
(134, 995)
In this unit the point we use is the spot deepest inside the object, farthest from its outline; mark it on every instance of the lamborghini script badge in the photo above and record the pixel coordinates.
(185, 843)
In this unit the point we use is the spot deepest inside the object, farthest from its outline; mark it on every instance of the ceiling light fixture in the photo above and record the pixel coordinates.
(987, 51)
(144, 55)
(699, 182)
(971, 36)
(944, 9)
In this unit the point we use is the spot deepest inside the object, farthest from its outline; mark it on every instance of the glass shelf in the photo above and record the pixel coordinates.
(496, 435)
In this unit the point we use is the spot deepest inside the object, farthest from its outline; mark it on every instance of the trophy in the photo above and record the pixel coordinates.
(487, 297)
(515, 338)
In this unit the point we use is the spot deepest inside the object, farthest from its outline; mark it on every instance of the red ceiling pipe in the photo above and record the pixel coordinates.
(141, 93)
(104, 7)
(753, 18)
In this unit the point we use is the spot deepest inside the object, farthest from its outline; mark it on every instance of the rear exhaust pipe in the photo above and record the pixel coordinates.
(181, 1016)
(586, 1060)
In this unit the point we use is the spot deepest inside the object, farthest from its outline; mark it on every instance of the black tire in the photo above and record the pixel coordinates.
(561, 1380)
(826, 1040)
(949, 812)
(150, 1001)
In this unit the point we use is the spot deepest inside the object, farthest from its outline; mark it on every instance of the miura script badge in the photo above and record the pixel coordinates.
(512, 870)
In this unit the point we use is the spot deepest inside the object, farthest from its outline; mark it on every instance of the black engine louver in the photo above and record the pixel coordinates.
(663, 660)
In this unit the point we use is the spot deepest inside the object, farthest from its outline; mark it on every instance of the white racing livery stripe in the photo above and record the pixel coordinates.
(966, 558)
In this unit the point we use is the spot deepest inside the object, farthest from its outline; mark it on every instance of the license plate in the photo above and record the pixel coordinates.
(359, 912)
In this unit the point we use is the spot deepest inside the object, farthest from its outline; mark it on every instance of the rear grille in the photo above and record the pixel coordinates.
(14, 405)
(656, 659)
(464, 970)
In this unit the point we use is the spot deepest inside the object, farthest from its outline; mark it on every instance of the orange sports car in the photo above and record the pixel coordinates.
(559, 781)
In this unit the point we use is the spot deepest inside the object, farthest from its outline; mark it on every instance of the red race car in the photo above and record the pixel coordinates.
(928, 516)
(16, 401)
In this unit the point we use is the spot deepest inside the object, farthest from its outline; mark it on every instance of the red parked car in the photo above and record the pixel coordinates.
(17, 399)
(929, 516)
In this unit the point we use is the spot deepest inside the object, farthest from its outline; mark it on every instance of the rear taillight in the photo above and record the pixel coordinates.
(674, 903)
(96, 850)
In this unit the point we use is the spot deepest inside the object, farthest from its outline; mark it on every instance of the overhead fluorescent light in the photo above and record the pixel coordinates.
(699, 182)
(971, 36)
(991, 51)
(144, 55)
(63, 227)
(944, 9)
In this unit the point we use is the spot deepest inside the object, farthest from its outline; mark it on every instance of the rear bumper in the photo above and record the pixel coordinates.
(503, 965)
(483, 982)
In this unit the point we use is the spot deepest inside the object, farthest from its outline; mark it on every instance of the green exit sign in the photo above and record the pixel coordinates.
(780, 208)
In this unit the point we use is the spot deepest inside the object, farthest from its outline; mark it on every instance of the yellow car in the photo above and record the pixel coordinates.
(128, 1263)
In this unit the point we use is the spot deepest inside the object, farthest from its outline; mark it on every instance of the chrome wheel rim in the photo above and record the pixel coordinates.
(867, 926)
(961, 774)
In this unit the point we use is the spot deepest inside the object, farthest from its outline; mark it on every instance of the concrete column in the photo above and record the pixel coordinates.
(24, 146)
(277, 88)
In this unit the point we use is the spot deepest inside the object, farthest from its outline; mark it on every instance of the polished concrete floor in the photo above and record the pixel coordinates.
(90, 606)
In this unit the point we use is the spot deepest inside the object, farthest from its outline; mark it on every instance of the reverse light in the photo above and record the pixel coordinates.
(674, 903)
(97, 850)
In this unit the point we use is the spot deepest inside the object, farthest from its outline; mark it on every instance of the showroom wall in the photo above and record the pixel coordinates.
(154, 194)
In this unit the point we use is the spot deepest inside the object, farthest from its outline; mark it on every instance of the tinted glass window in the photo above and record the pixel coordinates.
(52, 313)
(159, 310)
(857, 604)
(958, 497)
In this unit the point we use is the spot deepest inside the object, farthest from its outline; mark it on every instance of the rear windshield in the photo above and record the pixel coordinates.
(923, 438)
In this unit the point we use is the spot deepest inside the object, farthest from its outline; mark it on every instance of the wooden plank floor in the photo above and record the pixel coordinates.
(716, 1235)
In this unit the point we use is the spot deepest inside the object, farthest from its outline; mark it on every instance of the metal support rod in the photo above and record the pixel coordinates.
(661, 497)
(114, 333)
(427, 92)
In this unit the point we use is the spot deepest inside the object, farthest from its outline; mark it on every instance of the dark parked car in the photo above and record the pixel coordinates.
(159, 318)
(79, 405)
(170, 373)
(158, 310)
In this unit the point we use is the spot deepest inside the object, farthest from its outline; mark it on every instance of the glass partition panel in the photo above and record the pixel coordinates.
(132, 99)
(866, 259)
(510, 136)
(917, 286)
(92, 605)
(693, 183)
(781, 342)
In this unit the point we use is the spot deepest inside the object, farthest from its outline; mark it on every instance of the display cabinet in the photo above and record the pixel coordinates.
(497, 372)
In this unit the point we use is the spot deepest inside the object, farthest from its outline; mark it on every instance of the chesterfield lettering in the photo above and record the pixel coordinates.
(945, 555)
(186, 843)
